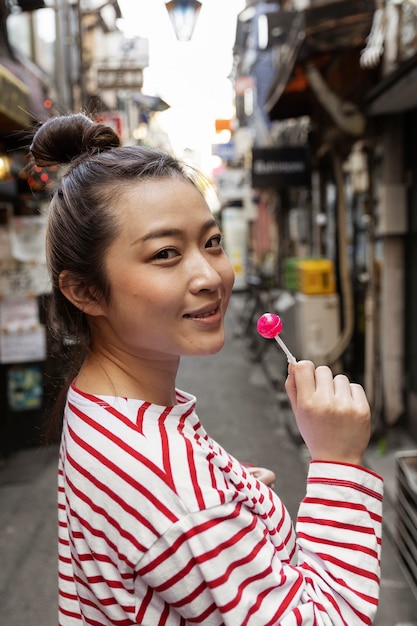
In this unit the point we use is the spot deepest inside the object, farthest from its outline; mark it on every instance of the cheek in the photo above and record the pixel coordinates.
(140, 286)
(228, 275)
(154, 297)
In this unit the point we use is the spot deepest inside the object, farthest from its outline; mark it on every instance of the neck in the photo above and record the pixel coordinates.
(146, 379)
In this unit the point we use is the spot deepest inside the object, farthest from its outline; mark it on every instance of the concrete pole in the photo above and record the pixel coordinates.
(63, 78)
(392, 228)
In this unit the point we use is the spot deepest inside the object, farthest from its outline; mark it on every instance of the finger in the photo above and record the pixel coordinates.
(342, 385)
(304, 375)
(310, 380)
(290, 386)
(290, 376)
(324, 379)
(300, 382)
(264, 475)
(359, 396)
(261, 472)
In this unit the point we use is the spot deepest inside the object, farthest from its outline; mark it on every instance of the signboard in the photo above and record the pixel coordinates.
(232, 184)
(242, 83)
(115, 119)
(226, 151)
(281, 167)
(121, 77)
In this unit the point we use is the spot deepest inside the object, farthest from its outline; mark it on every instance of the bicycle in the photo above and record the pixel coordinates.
(260, 297)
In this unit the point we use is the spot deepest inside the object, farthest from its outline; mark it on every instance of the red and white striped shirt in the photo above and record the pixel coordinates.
(159, 526)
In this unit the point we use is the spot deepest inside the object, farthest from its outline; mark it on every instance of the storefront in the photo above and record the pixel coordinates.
(25, 366)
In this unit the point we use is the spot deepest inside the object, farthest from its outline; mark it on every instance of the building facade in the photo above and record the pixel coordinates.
(325, 89)
(56, 57)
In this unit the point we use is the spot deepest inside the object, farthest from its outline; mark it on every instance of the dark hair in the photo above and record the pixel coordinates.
(82, 222)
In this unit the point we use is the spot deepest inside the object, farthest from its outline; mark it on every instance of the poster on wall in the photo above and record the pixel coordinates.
(6, 213)
(22, 337)
(23, 269)
(24, 346)
(18, 278)
(5, 244)
(24, 387)
(28, 238)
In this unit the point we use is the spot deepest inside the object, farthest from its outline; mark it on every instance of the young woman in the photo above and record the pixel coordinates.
(158, 524)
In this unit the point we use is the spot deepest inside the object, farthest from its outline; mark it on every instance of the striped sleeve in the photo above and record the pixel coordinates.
(339, 535)
(218, 566)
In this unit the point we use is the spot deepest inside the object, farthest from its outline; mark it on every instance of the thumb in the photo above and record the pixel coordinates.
(291, 387)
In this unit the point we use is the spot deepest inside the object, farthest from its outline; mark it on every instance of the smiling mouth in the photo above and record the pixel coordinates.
(202, 315)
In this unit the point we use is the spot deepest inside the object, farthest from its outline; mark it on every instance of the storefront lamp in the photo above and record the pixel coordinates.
(183, 15)
(5, 166)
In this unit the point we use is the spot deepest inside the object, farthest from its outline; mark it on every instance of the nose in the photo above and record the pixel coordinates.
(205, 273)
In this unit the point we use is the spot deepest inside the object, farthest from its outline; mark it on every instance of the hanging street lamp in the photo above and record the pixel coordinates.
(183, 15)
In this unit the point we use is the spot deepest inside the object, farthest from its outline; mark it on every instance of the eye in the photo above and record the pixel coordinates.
(215, 241)
(166, 253)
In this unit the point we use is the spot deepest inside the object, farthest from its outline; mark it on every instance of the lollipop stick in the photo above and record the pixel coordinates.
(290, 357)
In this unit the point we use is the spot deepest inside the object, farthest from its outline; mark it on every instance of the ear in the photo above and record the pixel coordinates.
(80, 294)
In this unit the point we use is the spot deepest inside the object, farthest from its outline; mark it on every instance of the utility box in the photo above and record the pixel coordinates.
(290, 274)
(316, 276)
(311, 326)
(393, 210)
(407, 514)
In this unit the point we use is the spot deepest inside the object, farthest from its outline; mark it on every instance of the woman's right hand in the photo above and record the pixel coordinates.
(332, 414)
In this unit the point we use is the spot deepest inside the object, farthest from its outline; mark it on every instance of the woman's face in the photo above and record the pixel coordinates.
(170, 280)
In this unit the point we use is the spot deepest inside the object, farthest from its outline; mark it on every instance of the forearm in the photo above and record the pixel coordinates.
(239, 570)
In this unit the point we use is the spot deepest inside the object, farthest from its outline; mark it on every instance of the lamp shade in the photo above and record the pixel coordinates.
(183, 15)
(31, 5)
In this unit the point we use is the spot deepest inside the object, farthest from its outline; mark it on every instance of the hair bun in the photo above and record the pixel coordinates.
(66, 138)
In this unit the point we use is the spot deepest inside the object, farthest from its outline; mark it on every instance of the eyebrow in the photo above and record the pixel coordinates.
(171, 232)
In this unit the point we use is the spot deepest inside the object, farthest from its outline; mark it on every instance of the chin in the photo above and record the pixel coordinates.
(207, 350)
(214, 351)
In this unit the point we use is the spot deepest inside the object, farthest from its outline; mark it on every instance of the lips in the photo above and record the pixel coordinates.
(203, 313)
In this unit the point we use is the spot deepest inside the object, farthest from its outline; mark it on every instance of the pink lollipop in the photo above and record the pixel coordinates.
(269, 326)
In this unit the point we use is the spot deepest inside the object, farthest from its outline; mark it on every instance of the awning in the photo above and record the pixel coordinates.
(14, 101)
(320, 34)
(396, 93)
(21, 94)
(151, 103)
(294, 43)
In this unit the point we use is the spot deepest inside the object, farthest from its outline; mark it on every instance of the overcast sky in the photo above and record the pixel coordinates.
(190, 76)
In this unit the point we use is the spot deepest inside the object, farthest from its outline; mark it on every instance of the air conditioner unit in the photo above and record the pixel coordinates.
(311, 325)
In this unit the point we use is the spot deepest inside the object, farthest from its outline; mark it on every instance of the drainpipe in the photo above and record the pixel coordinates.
(372, 358)
(344, 274)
